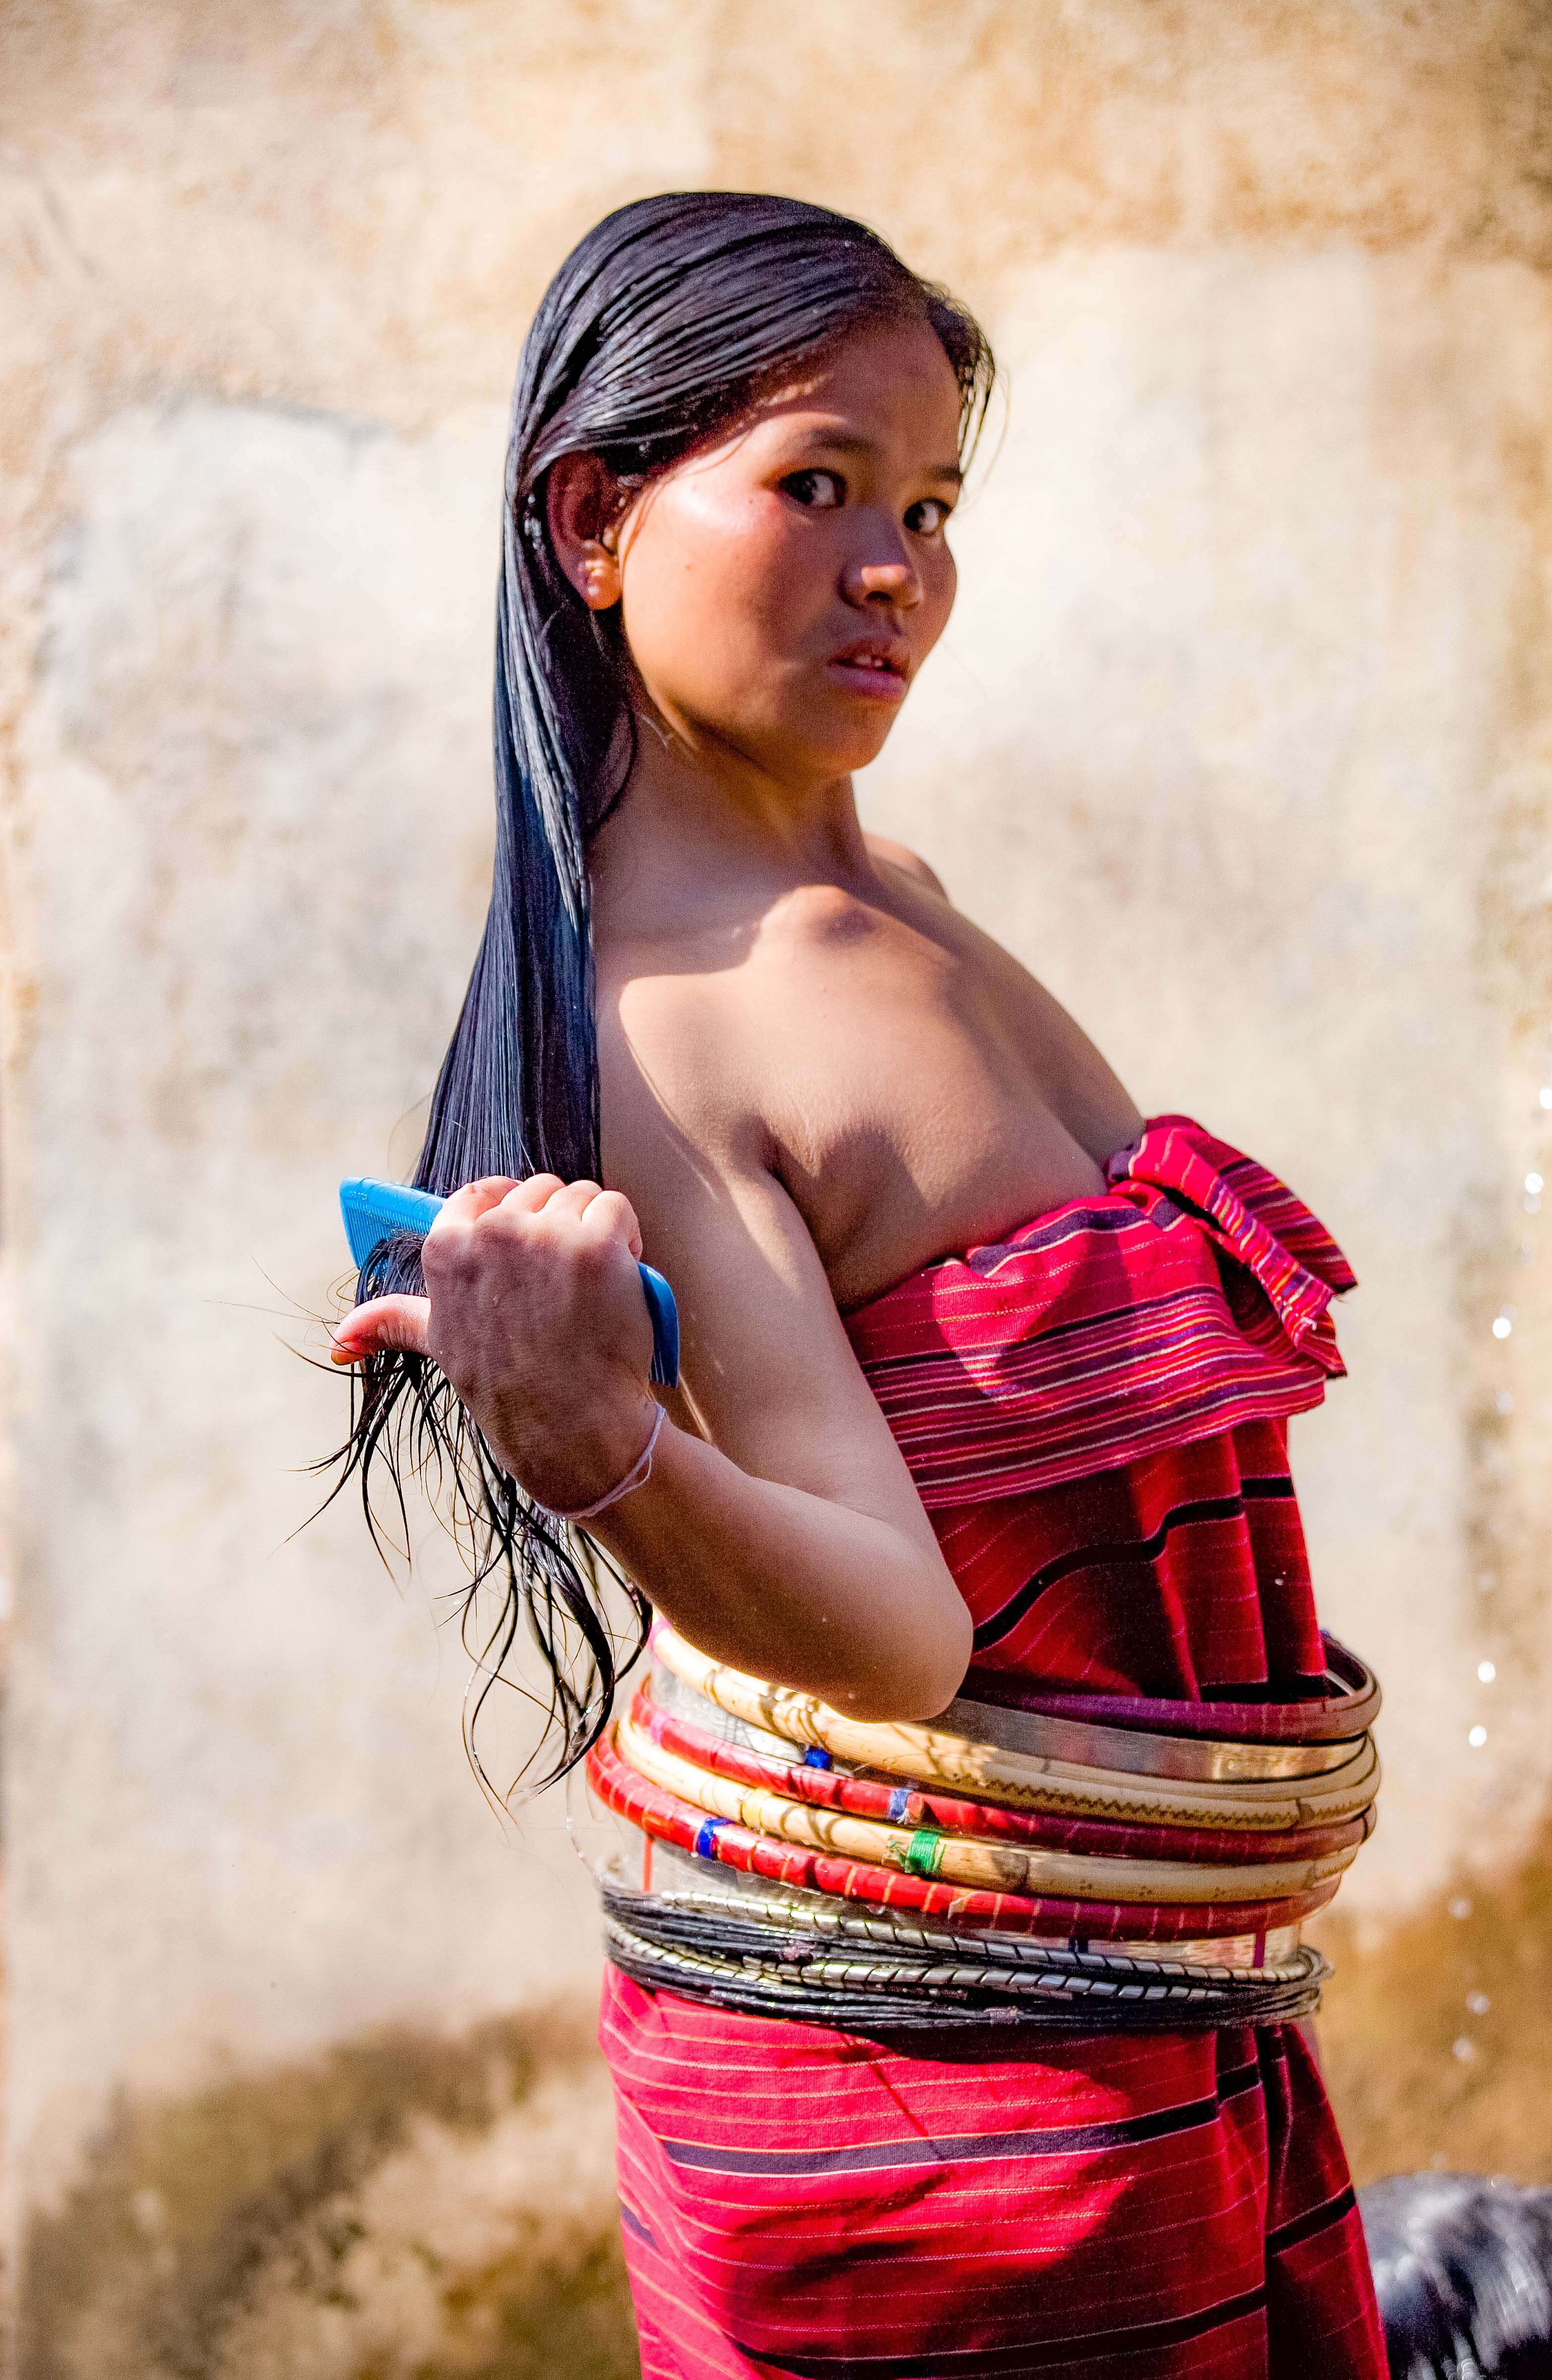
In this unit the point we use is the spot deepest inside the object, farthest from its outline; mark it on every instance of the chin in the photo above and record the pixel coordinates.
(808, 735)
(850, 744)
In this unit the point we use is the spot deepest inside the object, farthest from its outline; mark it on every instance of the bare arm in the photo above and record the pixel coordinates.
(796, 1546)
(794, 1543)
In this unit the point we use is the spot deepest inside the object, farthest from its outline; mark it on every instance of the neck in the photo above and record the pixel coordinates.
(693, 813)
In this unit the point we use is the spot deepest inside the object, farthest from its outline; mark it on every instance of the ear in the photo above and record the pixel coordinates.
(584, 502)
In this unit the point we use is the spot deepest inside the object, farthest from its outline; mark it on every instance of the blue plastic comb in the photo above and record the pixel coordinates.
(373, 1209)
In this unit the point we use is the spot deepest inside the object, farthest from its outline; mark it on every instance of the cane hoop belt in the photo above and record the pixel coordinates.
(1025, 1773)
(969, 1859)
(749, 1945)
(1004, 1864)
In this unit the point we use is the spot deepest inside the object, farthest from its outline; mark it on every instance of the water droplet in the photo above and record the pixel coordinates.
(1534, 1184)
(1478, 2003)
(1478, 1738)
(1502, 1326)
(1464, 2048)
(1459, 1906)
(1487, 1671)
(1544, 1095)
(1533, 1205)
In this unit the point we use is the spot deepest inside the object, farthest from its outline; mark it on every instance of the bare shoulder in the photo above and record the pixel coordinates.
(678, 1077)
(692, 1029)
(887, 853)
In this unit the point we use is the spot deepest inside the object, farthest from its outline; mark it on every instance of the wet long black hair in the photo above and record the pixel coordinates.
(660, 328)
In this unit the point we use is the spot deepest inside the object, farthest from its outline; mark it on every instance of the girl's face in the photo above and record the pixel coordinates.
(781, 588)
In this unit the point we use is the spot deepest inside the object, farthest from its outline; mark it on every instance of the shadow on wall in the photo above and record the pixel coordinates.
(1437, 2041)
(403, 2209)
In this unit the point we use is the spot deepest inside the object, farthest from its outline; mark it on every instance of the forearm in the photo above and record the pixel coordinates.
(535, 1316)
(791, 1585)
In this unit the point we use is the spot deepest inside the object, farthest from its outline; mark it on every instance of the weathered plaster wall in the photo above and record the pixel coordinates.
(1242, 734)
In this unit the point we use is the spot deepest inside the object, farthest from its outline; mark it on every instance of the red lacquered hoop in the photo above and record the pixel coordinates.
(839, 1788)
(669, 1820)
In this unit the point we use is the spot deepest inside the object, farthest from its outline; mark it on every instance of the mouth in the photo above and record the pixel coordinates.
(877, 667)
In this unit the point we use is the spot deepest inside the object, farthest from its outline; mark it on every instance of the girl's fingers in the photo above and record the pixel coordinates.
(605, 1212)
(529, 1197)
(613, 1216)
(476, 1199)
(547, 1193)
(571, 1199)
(381, 1322)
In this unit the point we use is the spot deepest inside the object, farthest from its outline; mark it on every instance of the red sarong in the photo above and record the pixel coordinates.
(1094, 1414)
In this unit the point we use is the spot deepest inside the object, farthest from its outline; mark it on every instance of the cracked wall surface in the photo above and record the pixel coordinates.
(1241, 735)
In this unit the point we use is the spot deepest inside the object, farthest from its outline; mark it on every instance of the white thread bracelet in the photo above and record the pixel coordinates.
(636, 1476)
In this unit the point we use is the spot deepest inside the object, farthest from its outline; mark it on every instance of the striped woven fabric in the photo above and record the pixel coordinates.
(807, 2203)
(1105, 1332)
(1094, 1414)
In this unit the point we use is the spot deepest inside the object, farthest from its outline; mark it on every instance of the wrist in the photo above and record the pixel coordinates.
(578, 1465)
(636, 1476)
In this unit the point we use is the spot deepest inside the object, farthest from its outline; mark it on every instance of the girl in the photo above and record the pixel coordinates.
(978, 1366)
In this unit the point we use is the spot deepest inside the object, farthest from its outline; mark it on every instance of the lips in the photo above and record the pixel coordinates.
(874, 666)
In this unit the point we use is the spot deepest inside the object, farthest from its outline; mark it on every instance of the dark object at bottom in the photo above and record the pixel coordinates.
(1462, 2269)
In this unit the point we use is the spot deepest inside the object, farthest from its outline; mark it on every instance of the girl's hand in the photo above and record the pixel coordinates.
(535, 1314)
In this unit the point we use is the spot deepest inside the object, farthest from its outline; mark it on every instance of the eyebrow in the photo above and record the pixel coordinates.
(846, 442)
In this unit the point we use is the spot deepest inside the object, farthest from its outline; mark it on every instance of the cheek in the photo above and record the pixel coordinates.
(714, 582)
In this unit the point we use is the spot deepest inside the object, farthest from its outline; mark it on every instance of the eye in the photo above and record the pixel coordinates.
(929, 518)
(820, 490)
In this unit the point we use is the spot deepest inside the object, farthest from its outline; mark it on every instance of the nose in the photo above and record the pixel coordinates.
(894, 581)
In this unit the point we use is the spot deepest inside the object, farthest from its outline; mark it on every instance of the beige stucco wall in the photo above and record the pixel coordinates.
(1241, 735)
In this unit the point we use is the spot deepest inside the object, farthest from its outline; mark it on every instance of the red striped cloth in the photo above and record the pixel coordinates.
(802, 2202)
(1094, 1414)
